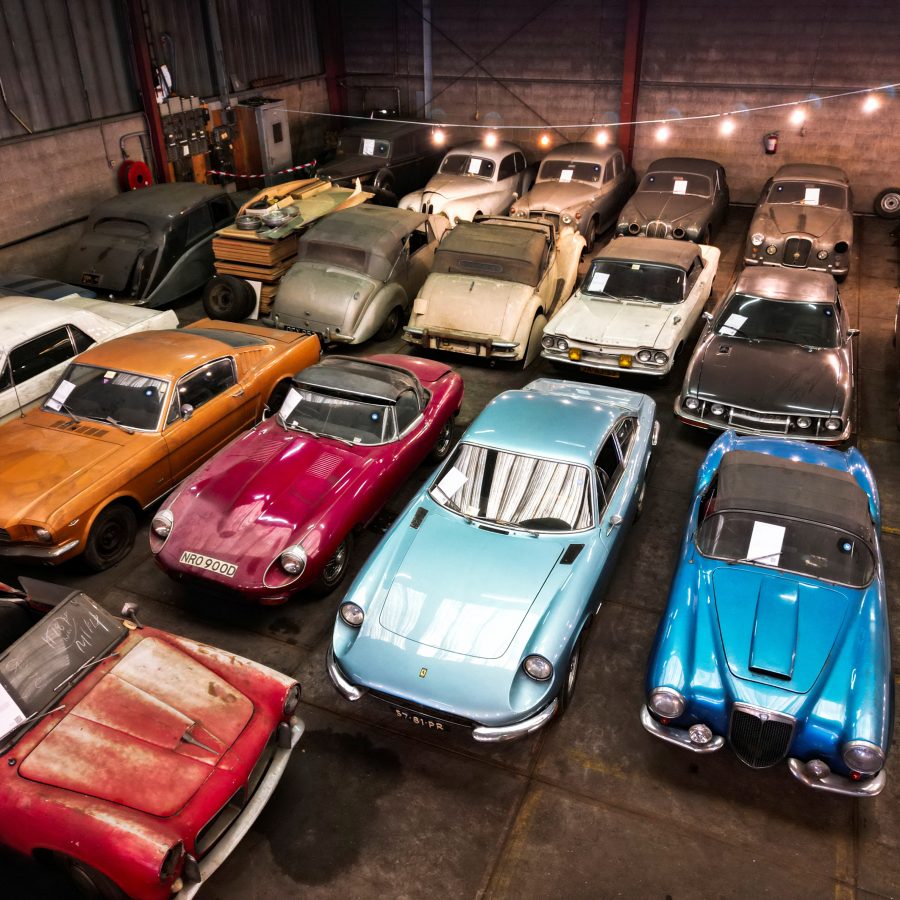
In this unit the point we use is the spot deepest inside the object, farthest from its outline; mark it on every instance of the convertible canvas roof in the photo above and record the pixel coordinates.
(524, 245)
(688, 164)
(779, 283)
(362, 378)
(651, 250)
(758, 482)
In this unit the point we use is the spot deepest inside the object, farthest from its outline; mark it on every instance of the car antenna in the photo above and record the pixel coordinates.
(15, 387)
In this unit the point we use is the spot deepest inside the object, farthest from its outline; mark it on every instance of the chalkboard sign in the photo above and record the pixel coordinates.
(35, 670)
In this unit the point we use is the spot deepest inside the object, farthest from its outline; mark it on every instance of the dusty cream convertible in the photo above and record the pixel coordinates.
(493, 286)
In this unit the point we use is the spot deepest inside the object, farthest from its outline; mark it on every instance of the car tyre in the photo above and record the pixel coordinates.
(573, 667)
(590, 237)
(533, 350)
(443, 443)
(335, 569)
(111, 537)
(706, 236)
(887, 203)
(391, 325)
(228, 298)
(639, 506)
(276, 398)
(87, 881)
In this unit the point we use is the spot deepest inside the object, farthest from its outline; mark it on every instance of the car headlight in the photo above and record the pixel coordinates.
(771, 249)
(291, 701)
(562, 344)
(833, 424)
(822, 254)
(841, 247)
(567, 220)
(691, 403)
(666, 703)
(162, 524)
(803, 422)
(43, 535)
(537, 667)
(863, 757)
(171, 862)
(644, 356)
(634, 228)
(679, 234)
(717, 409)
(548, 341)
(660, 358)
(352, 614)
(757, 238)
(293, 560)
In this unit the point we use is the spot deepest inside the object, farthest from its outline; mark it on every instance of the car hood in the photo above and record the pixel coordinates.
(556, 196)
(473, 305)
(125, 741)
(672, 208)
(482, 596)
(776, 629)
(322, 292)
(352, 167)
(46, 459)
(456, 187)
(779, 377)
(784, 218)
(611, 323)
(110, 260)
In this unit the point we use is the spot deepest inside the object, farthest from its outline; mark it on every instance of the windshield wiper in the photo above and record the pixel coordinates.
(75, 418)
(87, 664)
(32, 718)
(118, 424)
(782, 340)
(450, 502)
(754, 559)
(606, 294)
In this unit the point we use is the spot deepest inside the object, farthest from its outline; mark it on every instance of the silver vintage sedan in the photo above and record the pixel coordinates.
(803, 220)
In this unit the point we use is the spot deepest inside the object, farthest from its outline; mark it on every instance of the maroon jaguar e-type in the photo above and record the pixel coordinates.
(274, 512)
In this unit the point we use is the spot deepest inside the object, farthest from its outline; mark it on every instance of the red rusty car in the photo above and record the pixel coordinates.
(275, 511)
(134, 759)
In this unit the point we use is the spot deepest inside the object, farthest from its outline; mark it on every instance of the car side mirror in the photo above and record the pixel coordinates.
(852, 332)
(186, 411)
(515, 195)
(614, 522)
(707, 315)
(129, 612)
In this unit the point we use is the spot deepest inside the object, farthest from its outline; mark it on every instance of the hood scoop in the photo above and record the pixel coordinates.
(78, 428)
(774, 643)
(723, 350)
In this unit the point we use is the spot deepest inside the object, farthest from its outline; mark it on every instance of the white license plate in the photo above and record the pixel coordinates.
(457, 347)
(209, 564)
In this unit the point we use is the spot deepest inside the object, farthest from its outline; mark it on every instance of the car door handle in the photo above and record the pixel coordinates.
(238, 393)
(614, 522)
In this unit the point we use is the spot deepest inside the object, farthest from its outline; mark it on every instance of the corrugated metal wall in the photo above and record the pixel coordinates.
(62, 62)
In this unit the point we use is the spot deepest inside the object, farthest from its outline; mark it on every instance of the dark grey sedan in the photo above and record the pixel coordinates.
(680, 198)
(803, 220)
(775, 358)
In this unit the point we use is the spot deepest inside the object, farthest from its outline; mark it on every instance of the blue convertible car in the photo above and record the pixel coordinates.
(471, 612)
(776, 635)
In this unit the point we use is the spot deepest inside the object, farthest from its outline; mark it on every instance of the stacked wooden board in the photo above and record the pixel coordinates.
(265, 255)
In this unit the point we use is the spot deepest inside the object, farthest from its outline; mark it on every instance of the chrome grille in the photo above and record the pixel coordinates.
(796, 251)
(4, 535)
(657, 229)
(553, 217)
(760, 737)
(219, 823)
(759, 422)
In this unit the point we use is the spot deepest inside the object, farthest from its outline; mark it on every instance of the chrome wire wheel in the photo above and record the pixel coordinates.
(335, 569)
(442, 445)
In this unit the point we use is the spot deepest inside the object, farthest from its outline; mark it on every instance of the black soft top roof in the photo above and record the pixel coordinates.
(757, 482)
(363, 379)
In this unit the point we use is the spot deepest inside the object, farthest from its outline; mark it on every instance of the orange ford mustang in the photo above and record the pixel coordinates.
(125, 423)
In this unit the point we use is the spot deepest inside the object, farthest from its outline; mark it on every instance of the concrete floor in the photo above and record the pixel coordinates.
(592, 806)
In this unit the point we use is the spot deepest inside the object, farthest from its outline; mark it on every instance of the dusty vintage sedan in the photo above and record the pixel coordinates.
(275, 512)
(776, 636)
(472, 613)
(493, 285)
(635, 309)
(38, 338)
(152, 246)
(581, 185)
(679, 197)
(357, 273)
(126, 422)
(775, 357)
(804, 219)
(474, 180)
(134, 760)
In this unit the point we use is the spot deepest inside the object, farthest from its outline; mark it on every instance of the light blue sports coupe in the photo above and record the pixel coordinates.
(776, 636)
(471, 612)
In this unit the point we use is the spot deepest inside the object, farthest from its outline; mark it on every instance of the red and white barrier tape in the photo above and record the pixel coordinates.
(309, 165)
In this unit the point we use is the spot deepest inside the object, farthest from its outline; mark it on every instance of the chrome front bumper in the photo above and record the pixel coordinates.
(37, 551)
(678, 736)
(837, 784)
(611, 364)
(470, 343)
(248, 816)
(492, 734)
(349, 690)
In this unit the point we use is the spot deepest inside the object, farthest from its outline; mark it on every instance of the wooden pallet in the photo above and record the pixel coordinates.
(255, 252)
(267, 298)
(253, 273)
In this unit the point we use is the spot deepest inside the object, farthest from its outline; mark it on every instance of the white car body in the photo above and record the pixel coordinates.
(488, 181)
(597, 332)
(35, 331)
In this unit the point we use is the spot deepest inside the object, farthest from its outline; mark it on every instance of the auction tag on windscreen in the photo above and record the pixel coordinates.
(60, 395)
(368, 147)
(766, 541)
(680, 186)
(451, 482)
(474, 165)
(732, 324)
(10, 714)
(290, 402)
(598, 282)
(566, 175)
(811, 196)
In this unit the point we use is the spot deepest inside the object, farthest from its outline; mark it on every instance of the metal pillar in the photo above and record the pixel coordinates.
(631, 73)
(331, 44)
(427, 84)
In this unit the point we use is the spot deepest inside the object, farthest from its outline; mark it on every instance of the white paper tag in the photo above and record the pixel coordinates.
(765, 543)
(732, 324)
(566, 175)
(186, 150)
(811, 196)
(451, 482)
(290, 402)
(474, 165)
(60, 395)
(108, 375)
(10, 714)
(598, 282)
(680, 186)
(368, 147)
(728, 332)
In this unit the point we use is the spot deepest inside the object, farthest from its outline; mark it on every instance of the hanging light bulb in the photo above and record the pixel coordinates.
(490, 139)
(871, 103)
(727, 126)
(438, 137)
(544, 140)
(798, 116)
(602, 138)
(662, 133)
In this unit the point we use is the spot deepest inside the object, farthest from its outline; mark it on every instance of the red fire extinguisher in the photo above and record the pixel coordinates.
(770, 142)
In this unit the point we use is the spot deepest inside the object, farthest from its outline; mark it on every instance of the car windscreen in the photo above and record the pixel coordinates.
(791, 545)
(625, 280)
(467, 164)
(673, 183)
(36, 670)
(515, 490)
(368, 146)
(560, 170)
(808, 193)
(342, 418)
(763, 319)
(500, 268)
(107, 395)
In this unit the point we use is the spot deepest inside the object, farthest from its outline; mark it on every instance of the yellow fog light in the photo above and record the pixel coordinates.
(574, 354)
(625, 361)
